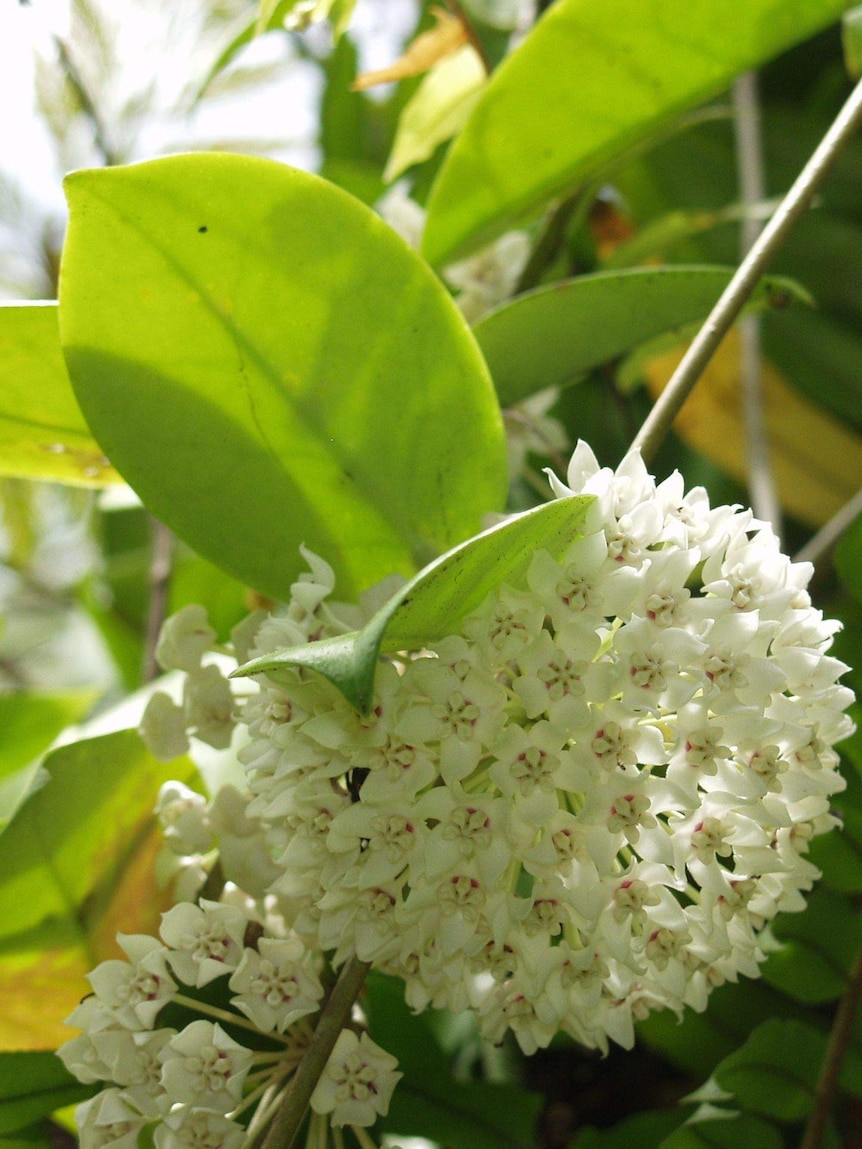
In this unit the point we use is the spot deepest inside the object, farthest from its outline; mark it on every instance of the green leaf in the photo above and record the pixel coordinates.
(30, 723)
(776, 1071)
(43, 434)
(645, 1130)
(814, 962)
(848, 558)
(432, 604)
(696, 1045)
(839, 854)
(740, 1131)
(587, 82)
(33, 1085)
(555, 334)
(268, 364)
(271, 16)
(428, 1101)
(851, 40)
(77, 865)
(39, 1135)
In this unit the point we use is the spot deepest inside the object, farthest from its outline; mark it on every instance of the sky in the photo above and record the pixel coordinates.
(25, 148)
(281, 113)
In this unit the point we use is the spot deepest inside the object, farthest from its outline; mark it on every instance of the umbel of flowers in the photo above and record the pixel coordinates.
(585, 805)
(206, 1075)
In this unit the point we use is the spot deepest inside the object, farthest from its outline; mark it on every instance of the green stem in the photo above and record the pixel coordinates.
(228, 1018)
(333, 1018)
(705, 343)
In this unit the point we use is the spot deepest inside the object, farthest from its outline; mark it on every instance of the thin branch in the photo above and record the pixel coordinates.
(829, 534)
(333, 1018)
(839, 1040)
(792, 207)
(752, 189)
(159, 583)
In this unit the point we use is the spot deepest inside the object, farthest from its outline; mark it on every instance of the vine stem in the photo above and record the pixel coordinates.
(333, 1018)
(159, 577)
(831, 532)
(720, 319)
(839, 1040)
(752, 191)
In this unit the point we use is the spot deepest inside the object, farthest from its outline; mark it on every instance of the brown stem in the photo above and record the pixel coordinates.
(159, 583)
(839, 1040)
(333, 1018)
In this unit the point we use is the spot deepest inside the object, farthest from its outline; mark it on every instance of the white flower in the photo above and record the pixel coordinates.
(134, 992)
(357, 1084)
(209, 706)
(185, 637)
(189, 1128)
(244, 852)
(183, 816)
(203, 1066)
(108, 1120)
(276, 984)
(133, 1060)
(163, 728)
(205, 942)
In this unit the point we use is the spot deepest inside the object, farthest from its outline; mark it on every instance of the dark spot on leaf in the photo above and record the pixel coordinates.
(203, 229)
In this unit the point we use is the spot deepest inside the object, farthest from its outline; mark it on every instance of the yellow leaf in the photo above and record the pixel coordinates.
(438, 109)
(39, 989)
(421, 54)
(816, 460)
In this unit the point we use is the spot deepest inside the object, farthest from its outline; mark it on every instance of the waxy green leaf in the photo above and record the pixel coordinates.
(429, 1101)
(814, 962)
(43, 434)
(735, 1131)
(30, 723)
(268, 364)
(432, 604)
(776, 1071)
(33, 1085)
(589, 81)
(556, 334)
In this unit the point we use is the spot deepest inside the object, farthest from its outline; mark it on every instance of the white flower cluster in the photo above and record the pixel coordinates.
(207, 709)
(588, 803)
(168, 1054)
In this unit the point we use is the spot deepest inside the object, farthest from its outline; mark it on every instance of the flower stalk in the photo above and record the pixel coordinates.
(333, 1018)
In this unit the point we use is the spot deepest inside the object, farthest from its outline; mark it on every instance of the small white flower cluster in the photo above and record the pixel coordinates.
(198, 833)
(208, 708)
(166, 1051)
(588, 803)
